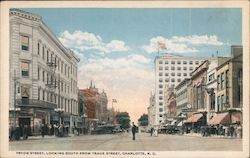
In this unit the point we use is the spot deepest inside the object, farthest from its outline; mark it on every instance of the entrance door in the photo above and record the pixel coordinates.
(25, 122)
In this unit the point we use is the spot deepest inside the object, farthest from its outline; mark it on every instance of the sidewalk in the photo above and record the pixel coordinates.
(211, 136)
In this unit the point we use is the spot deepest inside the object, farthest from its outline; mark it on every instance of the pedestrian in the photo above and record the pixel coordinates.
(133, 130)
(151, 131)
(43, 130)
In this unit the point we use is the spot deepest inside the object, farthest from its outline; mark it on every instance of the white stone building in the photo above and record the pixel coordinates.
(170, 70)
(43, 74)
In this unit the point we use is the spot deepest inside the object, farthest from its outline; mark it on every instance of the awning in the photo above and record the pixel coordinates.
(236, 117)
(173, 122)
(181, 123)
(194, 118)
(223, 118)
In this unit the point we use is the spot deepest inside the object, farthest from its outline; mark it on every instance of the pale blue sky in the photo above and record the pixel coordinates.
(117, 46)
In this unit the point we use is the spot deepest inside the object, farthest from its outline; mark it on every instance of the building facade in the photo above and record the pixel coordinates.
(183, 102)
(43, 74)
(229, 86)
(170, 70)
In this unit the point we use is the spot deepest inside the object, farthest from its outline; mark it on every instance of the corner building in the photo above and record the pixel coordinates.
(170, 70)
(43, 74)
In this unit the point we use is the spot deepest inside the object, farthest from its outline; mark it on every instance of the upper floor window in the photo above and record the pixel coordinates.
(166, 62)
(160, 62)
(38, 48)
(178, 62)
(25, 42)
(25, 69)
(222, 80)
(172, 62)
(196, 62)
(211, 77)
(160, 68)
(191, 62)
(185, 62)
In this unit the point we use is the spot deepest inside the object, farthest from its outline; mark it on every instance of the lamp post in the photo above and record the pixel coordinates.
(59, 111)
(84, 116)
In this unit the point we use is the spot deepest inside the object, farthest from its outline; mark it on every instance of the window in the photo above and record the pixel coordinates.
(172, 80)
(25, 69)
(160, 74)
(222, 101)
(38, 48)
(218, 103)
(218, 82)
(211, 77)
(178, 68)
(179, 80)
(172, 68)
(166, 68)
(160, 68)
(197, 62)
(222, 80)
(172, 74)
(43, 76)
(43, 53)
(172, 62)
(166, 74)
(160, 80)
(227, 78)
(191, 62)
(38, 73)
(166, 62)
(178, 62)
(178, 74)
(185, 74)
(161, 110)
(160, 103)
(47, 56)
(160, 97)
(160, 86)
(160, 62)
(25, 42)
(191, 68)
(167, 80)
(184, 68)
(184, 62)
(160, 92)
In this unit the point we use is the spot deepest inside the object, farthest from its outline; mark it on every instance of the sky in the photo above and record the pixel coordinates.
(117, 47)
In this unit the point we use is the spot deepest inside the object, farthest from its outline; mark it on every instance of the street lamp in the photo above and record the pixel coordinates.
(59, 111)
(84, 116)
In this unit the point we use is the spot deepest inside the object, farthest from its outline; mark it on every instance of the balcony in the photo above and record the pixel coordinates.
(35, 103)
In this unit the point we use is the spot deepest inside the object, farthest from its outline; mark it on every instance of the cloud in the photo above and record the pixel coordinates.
(182, 44)
(83, 41)
(198, 40)
(125, 79)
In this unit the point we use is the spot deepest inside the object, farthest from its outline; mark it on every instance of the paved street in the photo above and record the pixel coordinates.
(124, 142)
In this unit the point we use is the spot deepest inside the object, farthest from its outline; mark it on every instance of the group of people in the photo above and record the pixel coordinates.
(23, 131)
(233, 131)
(18, 132)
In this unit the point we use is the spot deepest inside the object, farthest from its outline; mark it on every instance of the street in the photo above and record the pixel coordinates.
(124, 142)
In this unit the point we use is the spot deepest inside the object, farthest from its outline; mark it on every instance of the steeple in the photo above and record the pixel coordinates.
(90, 84)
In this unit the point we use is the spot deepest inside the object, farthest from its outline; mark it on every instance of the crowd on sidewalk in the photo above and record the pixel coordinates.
(23, 131)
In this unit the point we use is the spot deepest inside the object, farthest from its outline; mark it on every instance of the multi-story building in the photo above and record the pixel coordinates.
(211, 85)
(151, 111)
(229, 89)
(170, 70)
(183, 102)
(43, 74)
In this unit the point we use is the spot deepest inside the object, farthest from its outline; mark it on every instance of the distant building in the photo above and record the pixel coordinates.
(151, 111)
(170, 70)
(183, 102)
(43, 74)
(96, 103)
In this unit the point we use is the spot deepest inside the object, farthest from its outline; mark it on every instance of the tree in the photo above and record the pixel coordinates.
(143, 120)
(123, 119)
